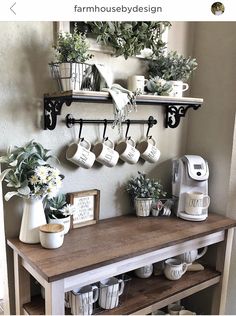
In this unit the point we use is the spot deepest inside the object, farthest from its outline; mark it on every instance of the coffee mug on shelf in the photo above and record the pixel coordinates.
(192, 255)
(174, 269)
(148, 150)
(105, 153)
(127, 151)
(144, 272)
(136, 84)
(178, 87)
(80, 154)
(196, 202)
(110, 291)
(82, 300)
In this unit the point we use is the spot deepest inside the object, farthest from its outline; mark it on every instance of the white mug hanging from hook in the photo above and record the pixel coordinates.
(104, 151)
(79, 152)
(126, 148)
(147, 148)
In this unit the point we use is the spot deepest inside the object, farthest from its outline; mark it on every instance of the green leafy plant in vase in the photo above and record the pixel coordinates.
(59, 211)
(144, 192)
(70, 69)
(31, 177)
(174, 68)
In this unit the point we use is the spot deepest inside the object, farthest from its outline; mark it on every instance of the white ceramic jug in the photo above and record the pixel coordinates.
(192, 255)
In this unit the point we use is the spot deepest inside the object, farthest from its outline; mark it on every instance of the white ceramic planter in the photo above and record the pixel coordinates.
(178, 87)
(51, 235)
(143, 206)
(63, 221)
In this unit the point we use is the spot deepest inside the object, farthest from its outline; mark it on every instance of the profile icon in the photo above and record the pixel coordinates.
(217, 8)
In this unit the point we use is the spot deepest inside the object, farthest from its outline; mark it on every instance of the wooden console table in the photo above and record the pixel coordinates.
(118, 245)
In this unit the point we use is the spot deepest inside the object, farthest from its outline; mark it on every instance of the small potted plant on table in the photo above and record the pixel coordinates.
(59, 212)
(144, 191)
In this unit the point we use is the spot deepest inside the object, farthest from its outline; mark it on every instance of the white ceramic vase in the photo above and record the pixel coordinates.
(143, 206)
(63, 221)
(33, 217)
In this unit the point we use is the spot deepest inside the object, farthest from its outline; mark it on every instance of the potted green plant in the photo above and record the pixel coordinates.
(59, 211)
(130, 38)
(33, 179)
(158, 86)
(70, 69)
(174, 68)
(144, 192)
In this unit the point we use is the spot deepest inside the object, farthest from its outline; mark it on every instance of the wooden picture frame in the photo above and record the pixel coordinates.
(87, 207)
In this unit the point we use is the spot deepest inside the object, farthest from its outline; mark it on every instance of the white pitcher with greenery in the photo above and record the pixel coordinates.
(33, 179)
(144, 191)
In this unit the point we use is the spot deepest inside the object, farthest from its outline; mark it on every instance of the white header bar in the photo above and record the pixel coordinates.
(122, 10)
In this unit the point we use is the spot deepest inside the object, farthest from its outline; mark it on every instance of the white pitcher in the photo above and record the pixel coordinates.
(191, 255)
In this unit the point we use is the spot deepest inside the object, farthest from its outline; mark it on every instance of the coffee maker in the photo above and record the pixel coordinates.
(189, 173)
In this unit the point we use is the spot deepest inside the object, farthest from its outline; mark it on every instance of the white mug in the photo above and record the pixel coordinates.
(80, 154)
(136, 84)
(196, 202)
(178, 87)
(174, 269)
(127, 151)
(82, 300)
(148, 150)
(110, 290)
(192, 255)
(105, 154)
(144, 272)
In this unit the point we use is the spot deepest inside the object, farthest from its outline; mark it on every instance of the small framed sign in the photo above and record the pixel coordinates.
(87, 204)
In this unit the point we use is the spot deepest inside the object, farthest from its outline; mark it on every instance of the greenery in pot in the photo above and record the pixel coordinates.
(72, 48)
(130, 38)
(29, 173)
(57, 207)
(172, 66)
(158, 86)
(143, 187)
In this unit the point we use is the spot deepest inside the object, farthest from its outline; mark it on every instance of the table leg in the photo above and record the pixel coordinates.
(22, 284)
(54, 298)
(222, 265)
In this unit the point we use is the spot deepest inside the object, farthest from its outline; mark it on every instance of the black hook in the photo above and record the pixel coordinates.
(127, 130)
(104, 131)
(150, 124)
(80, 129)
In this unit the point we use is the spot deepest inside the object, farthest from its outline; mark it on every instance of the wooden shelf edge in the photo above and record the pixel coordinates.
(150, 294)
(91, 96)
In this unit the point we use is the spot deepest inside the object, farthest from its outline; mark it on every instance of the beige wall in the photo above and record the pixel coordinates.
(211, 129)
(25, 50)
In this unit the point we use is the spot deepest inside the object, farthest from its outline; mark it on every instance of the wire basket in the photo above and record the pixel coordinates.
(75, 76)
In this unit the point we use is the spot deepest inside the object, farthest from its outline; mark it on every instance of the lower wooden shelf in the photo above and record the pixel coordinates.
(145, 295)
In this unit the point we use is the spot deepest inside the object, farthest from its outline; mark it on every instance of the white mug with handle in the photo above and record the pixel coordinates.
(110, 291)
(82, 300)
(196, 202)
(105, 153)
(148, 150)
(178, 87)
(80, 154)
(127, 151)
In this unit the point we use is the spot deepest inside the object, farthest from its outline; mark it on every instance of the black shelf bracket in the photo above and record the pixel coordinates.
(175, 113)
(52, 108)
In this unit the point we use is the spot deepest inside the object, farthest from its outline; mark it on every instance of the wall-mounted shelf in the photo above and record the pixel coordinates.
(176, 108)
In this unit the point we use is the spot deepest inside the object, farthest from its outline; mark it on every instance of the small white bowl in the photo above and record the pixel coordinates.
(51, 235)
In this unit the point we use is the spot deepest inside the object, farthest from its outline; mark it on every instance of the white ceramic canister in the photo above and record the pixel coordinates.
(51, 235)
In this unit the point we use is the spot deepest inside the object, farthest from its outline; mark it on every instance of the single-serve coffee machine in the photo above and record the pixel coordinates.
(190, 175)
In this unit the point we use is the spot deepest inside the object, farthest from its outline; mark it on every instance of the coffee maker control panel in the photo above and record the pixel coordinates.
(197, 167)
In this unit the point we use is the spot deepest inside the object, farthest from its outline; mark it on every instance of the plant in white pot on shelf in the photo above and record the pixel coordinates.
(59, 211)
(174, 68)
(32, 179)
(144, 191)
(70, 70)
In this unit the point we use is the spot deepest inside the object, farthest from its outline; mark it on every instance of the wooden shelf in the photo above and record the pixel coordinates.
(144, 295)
(176, 108)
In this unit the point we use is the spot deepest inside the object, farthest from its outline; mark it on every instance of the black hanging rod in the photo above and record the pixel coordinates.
(70, 121)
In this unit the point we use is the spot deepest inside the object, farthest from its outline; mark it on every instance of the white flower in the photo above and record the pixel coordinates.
(34, 179)
(68, 209)
(54, 172)
(42, 173)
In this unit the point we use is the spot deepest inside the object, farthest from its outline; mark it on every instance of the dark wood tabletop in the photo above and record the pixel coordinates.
(112, 240)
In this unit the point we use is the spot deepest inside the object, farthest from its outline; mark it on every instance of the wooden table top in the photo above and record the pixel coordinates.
(112, 240)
